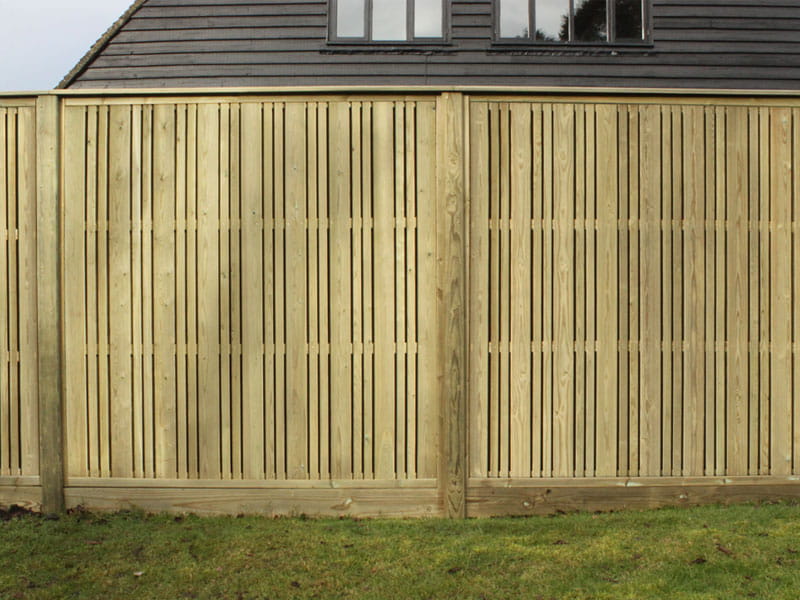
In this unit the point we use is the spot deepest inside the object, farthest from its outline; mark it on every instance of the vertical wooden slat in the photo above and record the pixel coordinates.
(579, 452)
(736, 281)
(191, 288)
(48, 301)
(340, 289)
(224, 287)
(494, 289)
(548, 224)
(451, 289)
(312, 137)
(590, 313)
(255, 251)
(520, 300)
(272, 290)
(208, 301)
(710, 289)
(365, 292)
(754, 181)
(27, 414)
(296, 290)
(650, 292)
(400, 340)
(504, 306)
(280, 201)
(781, 292)
(665, 227)
(626, 133)
(136, 238)
(164, 295)
(120, 313)
(764, 292)
(180, 290)
(148, 277)
(324, 328)
(410, 276)
(73, 276)
(104, 362)
(15, 151)
(694, 298)
(720, 331)
(428, 429)
(480, 229)
(236, 289)
(383, 290)
(796, 288)
(606, 294)
(563, 290)
(5, 350)
(536, 290)
(677, 279)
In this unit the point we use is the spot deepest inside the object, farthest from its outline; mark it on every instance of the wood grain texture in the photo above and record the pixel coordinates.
(452, 294)
(48, 303)
(288, 290)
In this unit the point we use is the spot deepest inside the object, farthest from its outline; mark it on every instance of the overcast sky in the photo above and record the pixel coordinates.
(41, 40)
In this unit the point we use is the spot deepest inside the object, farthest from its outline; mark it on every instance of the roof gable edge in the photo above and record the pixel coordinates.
(99, 46)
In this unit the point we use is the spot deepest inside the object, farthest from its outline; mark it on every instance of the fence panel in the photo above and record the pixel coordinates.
(249, 290)
(633, 292)
(19, 433)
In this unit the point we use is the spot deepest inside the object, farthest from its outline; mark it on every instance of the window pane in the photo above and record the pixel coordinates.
(350, 18)
(552, 20)
(428, 19)
(388, 20)
(514, 19)
(629, 19)
(590, 21)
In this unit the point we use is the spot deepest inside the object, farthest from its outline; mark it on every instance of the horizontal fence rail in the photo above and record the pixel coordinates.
(408, 305)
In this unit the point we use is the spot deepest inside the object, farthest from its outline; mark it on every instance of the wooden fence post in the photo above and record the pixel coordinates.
(451, 293)
(48, 285)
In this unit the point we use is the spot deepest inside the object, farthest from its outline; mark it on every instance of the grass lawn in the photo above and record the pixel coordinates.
(750, 551)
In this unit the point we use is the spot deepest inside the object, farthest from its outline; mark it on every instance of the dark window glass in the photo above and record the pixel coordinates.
(628, 19)
(590, 21)
(582, 21)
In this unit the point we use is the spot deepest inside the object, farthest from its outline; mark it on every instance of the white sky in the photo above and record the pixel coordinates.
(41, 40)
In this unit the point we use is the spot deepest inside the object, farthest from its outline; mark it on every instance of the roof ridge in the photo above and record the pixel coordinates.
(99, 45)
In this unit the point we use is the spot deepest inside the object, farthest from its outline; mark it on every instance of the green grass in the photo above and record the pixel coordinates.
(709, 552)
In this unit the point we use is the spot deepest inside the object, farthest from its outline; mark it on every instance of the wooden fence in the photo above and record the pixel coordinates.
(403, 305)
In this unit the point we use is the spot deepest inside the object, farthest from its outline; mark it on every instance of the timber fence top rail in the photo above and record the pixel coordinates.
(405, 89)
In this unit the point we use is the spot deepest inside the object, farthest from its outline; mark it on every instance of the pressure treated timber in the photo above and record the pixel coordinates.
(376, 498)
(486, 498)
(48, 303)
(605, 281)
(667, 322)
(451, 287)
(23, 491)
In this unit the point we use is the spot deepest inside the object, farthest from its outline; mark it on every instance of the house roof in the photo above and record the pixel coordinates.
(99, 45)
(695, 44)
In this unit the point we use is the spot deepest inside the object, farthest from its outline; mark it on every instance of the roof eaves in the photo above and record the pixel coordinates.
(99, 45)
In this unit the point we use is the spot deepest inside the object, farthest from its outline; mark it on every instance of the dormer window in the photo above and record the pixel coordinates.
(571, 21)
(387, 20)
